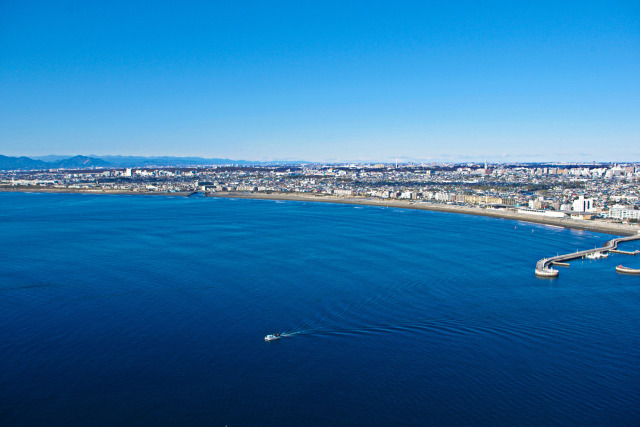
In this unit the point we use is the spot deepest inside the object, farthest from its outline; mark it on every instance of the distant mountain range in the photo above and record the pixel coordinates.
(16, 163)
(139, 161)
(79, 162)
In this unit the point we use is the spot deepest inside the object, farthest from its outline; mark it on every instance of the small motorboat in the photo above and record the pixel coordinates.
(272, 337)
(597, 255)
(626, 270)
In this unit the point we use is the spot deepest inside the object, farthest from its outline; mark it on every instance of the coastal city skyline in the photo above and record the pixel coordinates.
(348, 82)
(320, 213)
(598, 195)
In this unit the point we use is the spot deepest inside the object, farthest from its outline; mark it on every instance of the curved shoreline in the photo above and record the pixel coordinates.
(591, 225)
(587, 225)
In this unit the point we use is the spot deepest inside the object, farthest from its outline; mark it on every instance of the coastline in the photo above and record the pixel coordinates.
(88, 191)
(587, 225)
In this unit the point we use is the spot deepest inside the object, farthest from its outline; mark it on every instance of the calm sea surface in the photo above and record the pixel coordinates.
(133, 310)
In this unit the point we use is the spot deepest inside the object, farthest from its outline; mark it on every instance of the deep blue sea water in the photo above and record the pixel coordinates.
(139, 310)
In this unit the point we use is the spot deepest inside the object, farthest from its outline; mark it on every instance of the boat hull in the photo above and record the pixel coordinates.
(626, 270)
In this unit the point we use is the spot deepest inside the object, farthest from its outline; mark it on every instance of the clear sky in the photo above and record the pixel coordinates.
(322, 80)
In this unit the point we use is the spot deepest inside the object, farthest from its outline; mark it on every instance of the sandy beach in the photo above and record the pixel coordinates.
(598, 226)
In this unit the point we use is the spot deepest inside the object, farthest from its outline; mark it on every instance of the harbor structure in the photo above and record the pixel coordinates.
(544, 266)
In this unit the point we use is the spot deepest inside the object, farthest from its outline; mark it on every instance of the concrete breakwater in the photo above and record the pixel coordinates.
(544, 269)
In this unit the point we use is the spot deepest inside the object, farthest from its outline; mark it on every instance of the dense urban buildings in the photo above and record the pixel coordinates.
(555, 190)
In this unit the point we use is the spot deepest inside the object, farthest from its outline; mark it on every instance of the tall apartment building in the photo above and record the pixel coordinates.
(583, 205)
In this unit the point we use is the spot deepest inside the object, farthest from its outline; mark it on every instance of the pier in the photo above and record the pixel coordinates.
(544, 269)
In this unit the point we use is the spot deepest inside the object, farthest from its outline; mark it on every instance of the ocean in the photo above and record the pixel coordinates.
(141, 310)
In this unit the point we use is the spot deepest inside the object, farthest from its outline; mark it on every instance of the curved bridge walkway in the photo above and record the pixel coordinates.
(543, 267)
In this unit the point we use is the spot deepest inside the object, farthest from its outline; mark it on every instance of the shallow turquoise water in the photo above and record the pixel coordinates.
(152, 310)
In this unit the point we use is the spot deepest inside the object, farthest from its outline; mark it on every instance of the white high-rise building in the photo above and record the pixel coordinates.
(583, 205)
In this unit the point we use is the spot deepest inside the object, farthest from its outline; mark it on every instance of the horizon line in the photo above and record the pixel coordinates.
(398, 160)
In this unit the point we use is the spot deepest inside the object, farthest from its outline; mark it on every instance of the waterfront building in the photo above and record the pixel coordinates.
(583, 205)
(624, 212)
(340, 192)
(539, 212)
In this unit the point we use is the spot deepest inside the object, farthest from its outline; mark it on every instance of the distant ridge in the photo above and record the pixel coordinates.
(16, 163)
(141, 161)
(80, 162)
(26, 163)
(71, 162)
(168, 161)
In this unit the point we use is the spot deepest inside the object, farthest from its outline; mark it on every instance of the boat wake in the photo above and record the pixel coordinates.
(319, 325)
(455, 327)
(384, 298)
(414, 325)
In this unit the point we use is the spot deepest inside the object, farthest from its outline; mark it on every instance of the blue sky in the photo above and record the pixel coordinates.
(322, 81)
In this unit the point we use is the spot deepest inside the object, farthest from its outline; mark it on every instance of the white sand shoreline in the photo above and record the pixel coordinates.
(597, 226)
(588, 225)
